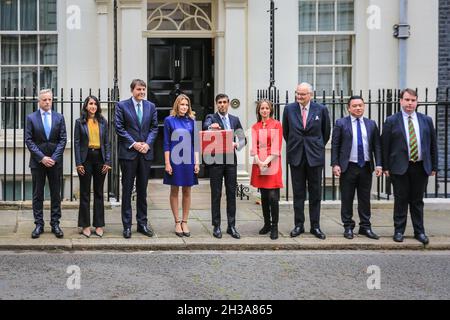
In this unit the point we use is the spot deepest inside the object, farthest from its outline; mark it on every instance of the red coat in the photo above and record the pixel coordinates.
(267, 141)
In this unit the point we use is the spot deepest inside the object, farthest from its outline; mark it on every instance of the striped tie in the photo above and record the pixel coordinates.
(414, 151)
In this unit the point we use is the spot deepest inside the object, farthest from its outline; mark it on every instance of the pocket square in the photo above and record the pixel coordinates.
(317, 118)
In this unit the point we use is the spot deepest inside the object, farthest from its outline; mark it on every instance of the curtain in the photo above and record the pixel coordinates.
(29, 49)
(49, 49)
(8, 15)
(28, 15)
(10, 50)
(307, 16)
(47, 15)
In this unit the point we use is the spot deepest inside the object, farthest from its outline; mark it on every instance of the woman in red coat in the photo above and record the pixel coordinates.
(267, 135)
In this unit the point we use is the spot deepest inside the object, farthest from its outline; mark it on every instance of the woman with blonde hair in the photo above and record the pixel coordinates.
(181, 159)
(267, 135)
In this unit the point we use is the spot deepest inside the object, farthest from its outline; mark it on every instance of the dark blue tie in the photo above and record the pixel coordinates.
(361, 161)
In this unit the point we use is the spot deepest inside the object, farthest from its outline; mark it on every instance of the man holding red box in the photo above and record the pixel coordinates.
(226, 136)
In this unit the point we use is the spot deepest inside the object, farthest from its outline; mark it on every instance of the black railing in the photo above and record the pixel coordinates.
(379, 105)
(14, 110)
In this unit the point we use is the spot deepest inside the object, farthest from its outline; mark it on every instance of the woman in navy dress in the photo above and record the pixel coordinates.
(182, 161)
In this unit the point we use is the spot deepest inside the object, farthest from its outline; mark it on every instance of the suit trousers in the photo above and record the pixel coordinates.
(139, 170)
(217, 173)
(93, 168)
(300, 175)
(409, 189)
(357, 179)
(54, 176)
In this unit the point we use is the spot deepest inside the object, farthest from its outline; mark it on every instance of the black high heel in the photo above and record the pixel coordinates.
(180, 234)
(186, 234)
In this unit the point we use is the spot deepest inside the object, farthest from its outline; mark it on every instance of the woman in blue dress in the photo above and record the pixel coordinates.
(181, 159)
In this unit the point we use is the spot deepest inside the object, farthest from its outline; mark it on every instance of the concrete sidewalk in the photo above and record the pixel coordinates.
(16, 225)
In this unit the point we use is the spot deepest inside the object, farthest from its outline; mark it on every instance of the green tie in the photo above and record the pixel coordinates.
(139, 113)
(414, 151)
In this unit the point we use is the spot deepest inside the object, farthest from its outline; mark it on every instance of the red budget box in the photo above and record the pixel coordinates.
(216, 142)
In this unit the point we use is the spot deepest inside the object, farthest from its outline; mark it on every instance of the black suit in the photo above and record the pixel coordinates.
(40, 147)
(306, 155)
(409, 179)
(228, 170)
(93, 161)
(354, 177)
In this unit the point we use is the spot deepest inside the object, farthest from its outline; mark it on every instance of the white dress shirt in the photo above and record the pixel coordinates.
(416, 129)
(365, 140)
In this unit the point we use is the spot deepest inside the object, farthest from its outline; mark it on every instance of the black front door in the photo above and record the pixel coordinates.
(179, 66)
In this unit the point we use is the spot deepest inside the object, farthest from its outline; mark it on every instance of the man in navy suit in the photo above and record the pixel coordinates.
(409, 158)
(306, 129)
(355, 143)
(218, 170)
(137, 128)
(45, 137)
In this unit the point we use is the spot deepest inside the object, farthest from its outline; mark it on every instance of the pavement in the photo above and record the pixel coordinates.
(16, 224)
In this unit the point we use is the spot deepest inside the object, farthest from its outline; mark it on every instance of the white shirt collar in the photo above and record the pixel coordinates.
(42, 111)
(405, 115)
(307, 106)
(135, 102)
(354, 118)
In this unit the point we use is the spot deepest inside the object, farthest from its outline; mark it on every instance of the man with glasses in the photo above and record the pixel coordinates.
(219, 169)
(306, 129)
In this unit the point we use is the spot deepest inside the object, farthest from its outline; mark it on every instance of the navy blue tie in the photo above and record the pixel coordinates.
(361, 161)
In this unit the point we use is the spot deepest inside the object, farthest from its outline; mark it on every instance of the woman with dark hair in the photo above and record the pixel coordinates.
(181, 167)
(93, 161)
(267, 135)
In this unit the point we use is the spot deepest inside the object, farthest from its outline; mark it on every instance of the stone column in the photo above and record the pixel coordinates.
(132, 51)
(236, 66)
(104, 46)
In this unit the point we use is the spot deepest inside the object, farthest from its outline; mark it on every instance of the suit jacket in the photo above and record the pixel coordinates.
(311, 139)
(395, 147)
(130, 131)
(81, 142)
(342, 140)
(37, 141)
(235, 123)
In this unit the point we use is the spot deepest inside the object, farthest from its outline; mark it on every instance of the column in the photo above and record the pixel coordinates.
(103, 49)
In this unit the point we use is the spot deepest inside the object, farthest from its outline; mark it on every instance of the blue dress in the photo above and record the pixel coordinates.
(179, 138)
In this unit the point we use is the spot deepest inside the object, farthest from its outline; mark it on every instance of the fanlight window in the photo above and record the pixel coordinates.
(179, 16)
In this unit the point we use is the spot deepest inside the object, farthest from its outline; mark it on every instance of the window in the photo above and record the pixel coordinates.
(28, 54)
(325, 44)
(8, 189)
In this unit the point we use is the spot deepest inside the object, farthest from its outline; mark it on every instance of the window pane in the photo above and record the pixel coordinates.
(324, 80)
(29, 49)
(343, 80)
(10, 50)
(9, 80)
(307, 16)
(29, 80)
(343, 50)
(8, 15)
(28, 15)
(47, 15)
(305, 50)
(49, 49)
(345, 15)
(306, 74)
(326, 15)
(324, 50)
(49, 78)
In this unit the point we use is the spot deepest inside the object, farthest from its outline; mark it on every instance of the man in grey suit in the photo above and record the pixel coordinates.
(306, 129)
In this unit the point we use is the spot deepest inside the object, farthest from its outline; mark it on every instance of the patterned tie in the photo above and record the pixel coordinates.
(361, 161)
(304, 117)
(414, 151)
(139, 113)
(47, 127)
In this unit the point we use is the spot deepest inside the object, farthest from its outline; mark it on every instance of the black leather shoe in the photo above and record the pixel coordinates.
(233, 232)
(146, 231)
(298, 230)
(127, 233)
(369, 233)
(398, 237)
(422, 238)
(37, 231)
(217, 232)
(318, 233)
(348, 234)
(265, 229)
(274, 232)
(57, 231)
